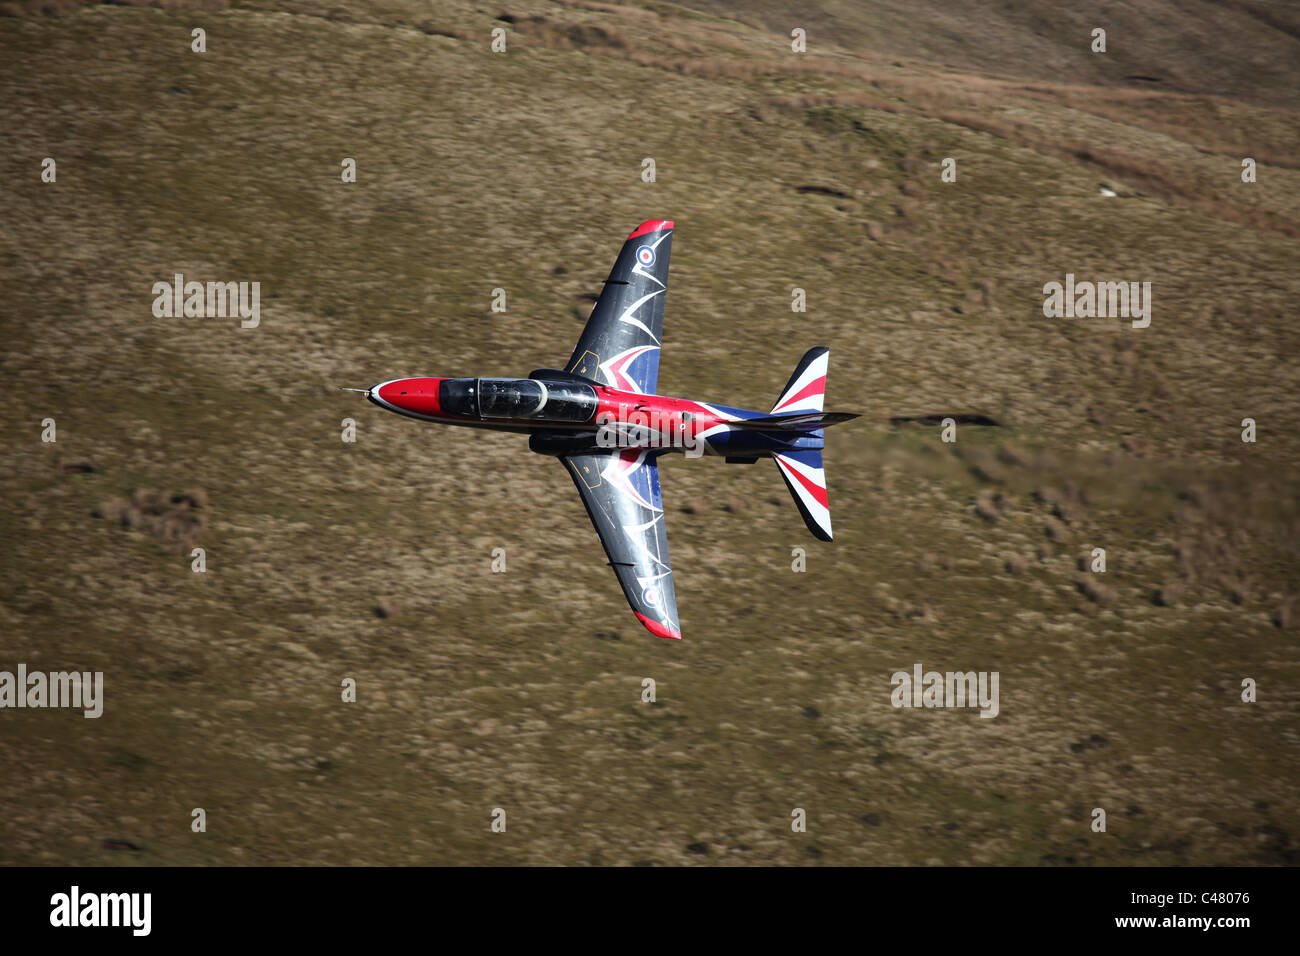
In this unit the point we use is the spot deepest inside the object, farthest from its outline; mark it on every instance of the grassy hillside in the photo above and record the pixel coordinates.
(372, 560)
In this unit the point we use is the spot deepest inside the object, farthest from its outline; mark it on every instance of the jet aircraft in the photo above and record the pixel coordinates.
(601, 417)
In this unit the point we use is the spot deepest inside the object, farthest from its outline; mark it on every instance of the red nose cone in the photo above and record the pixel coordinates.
(416, 395)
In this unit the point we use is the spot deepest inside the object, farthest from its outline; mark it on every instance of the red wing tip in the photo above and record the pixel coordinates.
(651, 225)
(657, 629)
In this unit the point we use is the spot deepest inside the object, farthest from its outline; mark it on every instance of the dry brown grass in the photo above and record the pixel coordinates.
(178, 521)
(522, 690)
(53, 8)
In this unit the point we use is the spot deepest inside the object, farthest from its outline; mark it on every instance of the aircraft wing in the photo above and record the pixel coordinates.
(620, 488)
(620, 345)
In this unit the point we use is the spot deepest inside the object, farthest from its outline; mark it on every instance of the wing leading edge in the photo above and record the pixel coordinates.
(620, 489)
(620, 345)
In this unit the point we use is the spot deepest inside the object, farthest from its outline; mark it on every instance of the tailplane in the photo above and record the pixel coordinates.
(799, 409)
(807, 386)
(806, 479)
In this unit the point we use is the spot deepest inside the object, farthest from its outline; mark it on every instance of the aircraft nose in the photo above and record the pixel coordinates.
(418, 396)
(390, 393)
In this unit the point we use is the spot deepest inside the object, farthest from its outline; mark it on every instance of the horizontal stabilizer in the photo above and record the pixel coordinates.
(806, 478)
(807, 386)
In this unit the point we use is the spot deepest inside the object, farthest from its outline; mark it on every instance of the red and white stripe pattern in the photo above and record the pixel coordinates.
(620, 471)
(808, 482)
(807, 392)
(616, 370)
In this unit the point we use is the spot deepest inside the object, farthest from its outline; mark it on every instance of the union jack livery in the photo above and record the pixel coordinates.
(601, 417)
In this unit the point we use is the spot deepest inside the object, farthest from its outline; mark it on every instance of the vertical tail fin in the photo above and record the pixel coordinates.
(806, 389)
(806, 479)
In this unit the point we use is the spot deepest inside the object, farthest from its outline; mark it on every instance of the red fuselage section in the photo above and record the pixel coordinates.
(531, 405)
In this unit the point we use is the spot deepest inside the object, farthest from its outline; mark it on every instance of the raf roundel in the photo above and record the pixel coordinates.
(645, 255)
(651, 596)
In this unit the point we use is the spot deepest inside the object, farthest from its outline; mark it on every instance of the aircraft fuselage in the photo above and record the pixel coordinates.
(565, 414)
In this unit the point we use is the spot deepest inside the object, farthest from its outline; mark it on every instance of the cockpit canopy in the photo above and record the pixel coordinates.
(518, 398)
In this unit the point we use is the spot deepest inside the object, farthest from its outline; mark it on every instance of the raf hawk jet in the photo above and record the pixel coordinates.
(601, 417)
